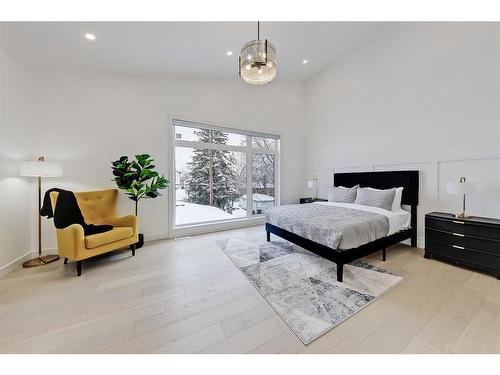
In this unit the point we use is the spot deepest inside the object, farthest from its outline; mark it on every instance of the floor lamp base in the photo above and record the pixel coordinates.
(40, 261)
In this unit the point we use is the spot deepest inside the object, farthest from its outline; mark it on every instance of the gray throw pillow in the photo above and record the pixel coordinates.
(376, 198)
(342, 194)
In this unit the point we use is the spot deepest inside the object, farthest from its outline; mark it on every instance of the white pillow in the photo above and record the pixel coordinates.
(396, 203)
(375, 197)
(342, 194)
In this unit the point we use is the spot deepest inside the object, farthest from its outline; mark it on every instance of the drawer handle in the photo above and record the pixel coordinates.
(458, 222)
(459, 234)
(458, 247)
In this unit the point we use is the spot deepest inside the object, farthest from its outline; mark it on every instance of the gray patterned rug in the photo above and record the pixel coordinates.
(302, 287)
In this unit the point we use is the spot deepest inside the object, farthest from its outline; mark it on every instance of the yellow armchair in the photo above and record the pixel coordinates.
(97, 207)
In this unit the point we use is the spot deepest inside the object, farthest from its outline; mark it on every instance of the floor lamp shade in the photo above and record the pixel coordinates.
(40, 168)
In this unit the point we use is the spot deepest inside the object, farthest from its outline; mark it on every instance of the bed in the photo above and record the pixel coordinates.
(369, 235)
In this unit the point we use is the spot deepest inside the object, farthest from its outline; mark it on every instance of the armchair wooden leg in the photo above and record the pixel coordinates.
(384, 254)
(268, 236)
(79, 267)
(132, 247)
(65, 260)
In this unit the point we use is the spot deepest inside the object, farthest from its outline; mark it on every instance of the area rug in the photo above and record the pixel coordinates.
(302, 287)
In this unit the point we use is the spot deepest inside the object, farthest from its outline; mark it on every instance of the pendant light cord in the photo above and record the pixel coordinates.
(258, 30)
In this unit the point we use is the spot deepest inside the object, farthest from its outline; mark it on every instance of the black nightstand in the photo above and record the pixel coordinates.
(311, 200)
(473, 242)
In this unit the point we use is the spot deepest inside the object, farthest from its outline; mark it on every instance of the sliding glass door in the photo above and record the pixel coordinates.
(222, 174)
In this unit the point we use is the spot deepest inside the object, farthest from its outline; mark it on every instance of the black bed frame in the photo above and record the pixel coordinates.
(378, 180)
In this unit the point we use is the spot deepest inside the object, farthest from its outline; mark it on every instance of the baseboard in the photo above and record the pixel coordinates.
(155, 237)
(420, 242)
(17, 263)
(9, 267)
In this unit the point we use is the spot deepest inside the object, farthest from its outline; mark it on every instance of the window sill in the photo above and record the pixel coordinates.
(208, 227)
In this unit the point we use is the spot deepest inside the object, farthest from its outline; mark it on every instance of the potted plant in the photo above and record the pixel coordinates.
(139, 180)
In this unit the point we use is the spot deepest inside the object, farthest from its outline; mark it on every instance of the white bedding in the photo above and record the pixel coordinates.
(398, 220)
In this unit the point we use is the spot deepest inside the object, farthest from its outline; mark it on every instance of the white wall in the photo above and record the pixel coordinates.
(86, 121)
(15, 192)
(421, 96)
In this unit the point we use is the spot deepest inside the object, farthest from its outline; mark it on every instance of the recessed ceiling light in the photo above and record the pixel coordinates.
(90, 36)
(305, 62)
(229, 53)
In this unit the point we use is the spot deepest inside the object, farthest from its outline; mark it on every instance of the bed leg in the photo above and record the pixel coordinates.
(413, 241)
(268, 236)
(340, 272)
(384, 254)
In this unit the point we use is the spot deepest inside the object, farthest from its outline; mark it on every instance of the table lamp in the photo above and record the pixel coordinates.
(313, 184)
(40, 168)
(462, 188)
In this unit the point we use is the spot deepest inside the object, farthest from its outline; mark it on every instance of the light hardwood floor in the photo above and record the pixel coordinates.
(185, 296)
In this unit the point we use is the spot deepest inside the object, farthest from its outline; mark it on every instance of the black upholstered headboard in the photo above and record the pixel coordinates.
(383, 180)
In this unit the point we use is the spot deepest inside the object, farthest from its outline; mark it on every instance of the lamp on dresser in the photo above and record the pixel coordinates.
(461, 188)
(40, 168)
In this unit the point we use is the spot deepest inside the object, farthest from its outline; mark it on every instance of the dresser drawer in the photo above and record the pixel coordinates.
(464, 240)
(463, 227)
(462, 253)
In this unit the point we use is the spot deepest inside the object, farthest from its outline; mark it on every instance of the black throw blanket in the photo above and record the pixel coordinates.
(68, 212)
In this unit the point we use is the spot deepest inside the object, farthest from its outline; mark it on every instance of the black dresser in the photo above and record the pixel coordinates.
(472, 242)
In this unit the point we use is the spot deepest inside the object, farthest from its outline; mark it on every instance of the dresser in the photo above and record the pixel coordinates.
(472, 242)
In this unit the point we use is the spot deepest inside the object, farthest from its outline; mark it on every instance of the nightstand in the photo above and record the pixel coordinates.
(473, 242)
(311, 200)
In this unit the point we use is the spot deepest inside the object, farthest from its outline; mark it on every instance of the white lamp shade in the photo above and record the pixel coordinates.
(312, 184)
(40, 169)
(459, 188)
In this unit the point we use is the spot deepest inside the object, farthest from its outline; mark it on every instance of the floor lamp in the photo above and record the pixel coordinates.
(40, 168)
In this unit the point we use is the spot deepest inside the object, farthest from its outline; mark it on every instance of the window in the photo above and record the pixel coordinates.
(217, 169)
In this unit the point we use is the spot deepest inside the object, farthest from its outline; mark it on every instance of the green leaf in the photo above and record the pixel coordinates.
(133, 177)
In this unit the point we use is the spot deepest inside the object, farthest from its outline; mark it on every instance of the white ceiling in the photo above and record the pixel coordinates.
(180, 48)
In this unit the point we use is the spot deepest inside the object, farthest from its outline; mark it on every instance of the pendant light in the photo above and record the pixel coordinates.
(257, 61)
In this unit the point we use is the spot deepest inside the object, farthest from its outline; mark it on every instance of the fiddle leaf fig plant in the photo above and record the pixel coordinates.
(138, 178)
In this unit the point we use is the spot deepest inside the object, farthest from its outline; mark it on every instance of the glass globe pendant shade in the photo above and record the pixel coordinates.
(257, 62)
